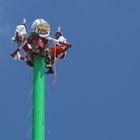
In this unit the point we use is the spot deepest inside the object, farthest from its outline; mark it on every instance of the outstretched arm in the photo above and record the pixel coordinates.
(47, 37)
(55, 40)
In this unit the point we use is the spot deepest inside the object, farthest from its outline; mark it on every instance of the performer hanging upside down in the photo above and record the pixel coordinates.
(19, 38)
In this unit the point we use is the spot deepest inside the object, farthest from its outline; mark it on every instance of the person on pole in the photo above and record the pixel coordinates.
(41, 28)
(19, 38)
(38, 43)
(58, 51)
(60, 47)
(38, 27)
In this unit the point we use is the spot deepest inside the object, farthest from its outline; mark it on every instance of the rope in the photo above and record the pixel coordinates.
(30, 132)
(30, 94)
(30, 112)
(56, 59)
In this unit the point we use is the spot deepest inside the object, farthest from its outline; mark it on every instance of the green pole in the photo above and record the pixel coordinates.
(38, 132)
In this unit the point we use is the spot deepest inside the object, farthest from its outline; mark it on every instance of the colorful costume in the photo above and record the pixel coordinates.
(37, 44)
(58, 49)
(20, 38)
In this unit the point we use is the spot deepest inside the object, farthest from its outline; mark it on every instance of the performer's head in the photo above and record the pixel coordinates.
(58, 34)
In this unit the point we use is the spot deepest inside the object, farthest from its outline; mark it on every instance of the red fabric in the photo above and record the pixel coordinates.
(37, 39)
(25, 38)
(25, 48)
(15, 52)
(57, 50)
(23, 58)
(66, 44)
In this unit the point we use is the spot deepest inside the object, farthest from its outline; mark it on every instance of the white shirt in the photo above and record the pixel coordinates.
(56, 41)
(61, 39)
(21, 30)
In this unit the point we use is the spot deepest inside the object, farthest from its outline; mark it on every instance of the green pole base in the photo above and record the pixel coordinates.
(38, 121)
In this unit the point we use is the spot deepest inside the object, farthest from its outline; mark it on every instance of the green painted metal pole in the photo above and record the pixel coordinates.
(38, 122)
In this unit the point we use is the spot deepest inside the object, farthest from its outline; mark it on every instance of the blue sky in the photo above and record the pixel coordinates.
(97, 91)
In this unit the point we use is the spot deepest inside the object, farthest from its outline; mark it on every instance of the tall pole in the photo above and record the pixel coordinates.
(38, 121)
